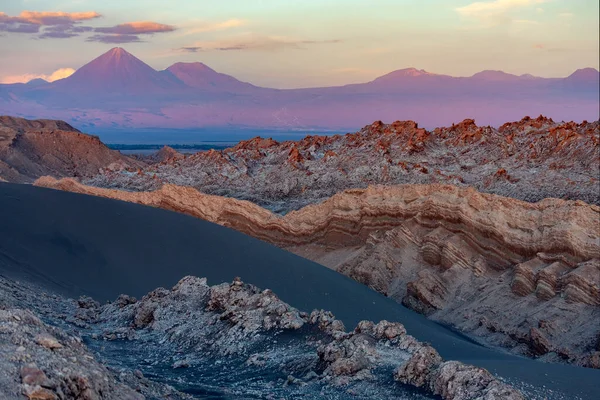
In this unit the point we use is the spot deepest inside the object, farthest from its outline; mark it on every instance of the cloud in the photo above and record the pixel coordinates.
(136, 28)
(129, 32)
(114, 38)
(19, 28)
(64, 31)
(203, 27)
(62, 25)
(495, 12)
(525, 22)
(254, 42)
(57, 18)
(541, 46)
(57, 24)
(56, 75)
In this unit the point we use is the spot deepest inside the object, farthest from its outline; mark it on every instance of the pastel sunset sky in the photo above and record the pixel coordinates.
(302, 43)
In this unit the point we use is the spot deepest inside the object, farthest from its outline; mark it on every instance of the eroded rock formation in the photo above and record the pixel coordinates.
(195, 335)
(33, 148)
(238, 320)
(496, 267)
(531, 159)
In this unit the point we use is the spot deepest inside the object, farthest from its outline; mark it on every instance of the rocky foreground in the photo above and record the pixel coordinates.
(531, 159)
(525, 276)
(194, 336)
(33, 148)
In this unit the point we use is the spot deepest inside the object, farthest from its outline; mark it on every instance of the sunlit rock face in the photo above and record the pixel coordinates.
(459, 256)
(530, 160)
(33, 148)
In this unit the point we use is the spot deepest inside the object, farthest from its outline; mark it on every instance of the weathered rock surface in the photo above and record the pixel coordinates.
(238, 320)
(489, 265)
(531, 159)
(40, 362)
(194, 335)
(33, 148)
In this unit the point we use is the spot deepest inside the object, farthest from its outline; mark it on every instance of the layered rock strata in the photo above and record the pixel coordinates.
(489, 265)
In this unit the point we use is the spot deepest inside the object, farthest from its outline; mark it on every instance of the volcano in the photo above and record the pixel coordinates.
(119, 72)
(201, 76)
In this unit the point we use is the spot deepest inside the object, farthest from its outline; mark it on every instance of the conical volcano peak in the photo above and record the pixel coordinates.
(117, 52)
(116, 55)
(118, 71)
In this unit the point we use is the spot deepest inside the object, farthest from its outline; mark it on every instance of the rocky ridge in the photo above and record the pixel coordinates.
(33, 148)
(226, 326)
(531, 159)
(520, 275)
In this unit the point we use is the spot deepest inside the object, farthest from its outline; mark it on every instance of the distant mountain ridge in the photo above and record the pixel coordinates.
(118, 90)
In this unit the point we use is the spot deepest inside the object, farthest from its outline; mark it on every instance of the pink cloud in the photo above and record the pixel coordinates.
(54, 76)
(59, 24)
(137, 28)
(47, 18)
(56, 18)
(129, 32)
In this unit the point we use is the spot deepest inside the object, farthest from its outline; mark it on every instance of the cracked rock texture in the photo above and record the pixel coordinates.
(237, 320)
(41, 362)
(194, 335)
(531, 159)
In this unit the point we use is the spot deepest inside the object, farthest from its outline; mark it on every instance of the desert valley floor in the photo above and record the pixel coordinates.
(480, 246)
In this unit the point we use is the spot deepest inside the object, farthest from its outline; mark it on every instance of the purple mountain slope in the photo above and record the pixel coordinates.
(117, 90)
(200, 76)
(118, 71)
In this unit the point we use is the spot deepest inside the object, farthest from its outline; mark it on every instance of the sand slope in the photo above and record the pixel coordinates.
(82, 244)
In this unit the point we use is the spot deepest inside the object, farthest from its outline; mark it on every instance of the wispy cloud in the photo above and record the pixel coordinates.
(204, 26)
(62, 25)
(114, 39)
(57, 25)
(254, 42)
(54, 76)
(136, 28)
(129, 32)
(496, 12)
(567, 15)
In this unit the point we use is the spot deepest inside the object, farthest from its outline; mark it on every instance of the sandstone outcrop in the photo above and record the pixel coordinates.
(531, 159)
(489, 265)
(33, 148)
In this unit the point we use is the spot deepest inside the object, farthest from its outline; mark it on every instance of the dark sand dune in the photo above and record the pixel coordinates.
(80, 244)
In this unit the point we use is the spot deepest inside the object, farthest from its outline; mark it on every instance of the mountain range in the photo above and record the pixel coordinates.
(118, 90)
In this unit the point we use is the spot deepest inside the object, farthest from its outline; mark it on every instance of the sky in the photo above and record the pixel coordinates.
(302, 43)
